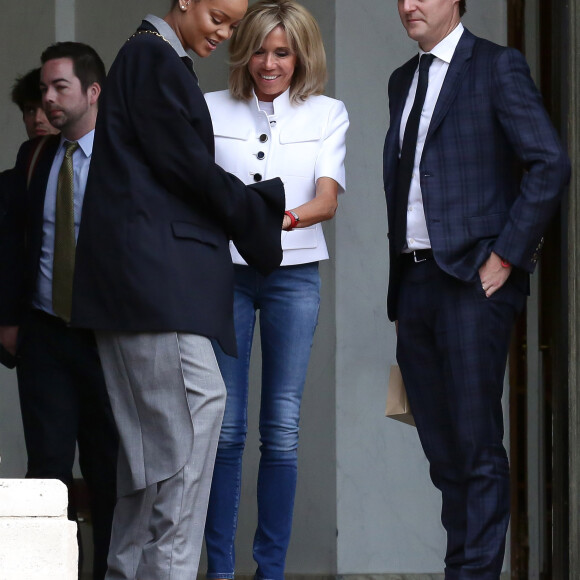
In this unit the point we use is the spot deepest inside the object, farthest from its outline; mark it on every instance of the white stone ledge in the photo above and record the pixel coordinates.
(38, 549)
(33, 498)
(37, 541)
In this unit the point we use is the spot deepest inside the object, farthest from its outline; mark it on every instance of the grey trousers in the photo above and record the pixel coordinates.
(168, 399)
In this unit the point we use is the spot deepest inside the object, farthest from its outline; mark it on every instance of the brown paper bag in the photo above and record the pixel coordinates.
(397, 403)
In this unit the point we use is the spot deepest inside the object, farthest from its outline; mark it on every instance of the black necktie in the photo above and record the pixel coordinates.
(407, 160)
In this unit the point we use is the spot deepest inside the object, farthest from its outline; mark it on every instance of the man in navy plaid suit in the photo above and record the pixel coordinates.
(465, 229)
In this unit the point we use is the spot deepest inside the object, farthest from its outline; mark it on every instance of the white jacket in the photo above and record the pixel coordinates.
(299, 144)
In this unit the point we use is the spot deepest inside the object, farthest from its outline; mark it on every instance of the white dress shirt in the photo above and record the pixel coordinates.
(417, 234)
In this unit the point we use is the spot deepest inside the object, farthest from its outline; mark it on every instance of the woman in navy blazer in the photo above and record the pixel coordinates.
(158, 211)
(154, 278)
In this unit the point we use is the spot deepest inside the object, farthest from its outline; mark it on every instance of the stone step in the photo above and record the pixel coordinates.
(37, 541)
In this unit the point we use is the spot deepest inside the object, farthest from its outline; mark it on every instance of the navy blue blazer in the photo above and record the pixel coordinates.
(21, 231)
(489, 124)
(153, 252)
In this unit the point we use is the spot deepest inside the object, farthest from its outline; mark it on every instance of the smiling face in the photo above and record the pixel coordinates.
(429, 21)
(272, 65)
(202, 25)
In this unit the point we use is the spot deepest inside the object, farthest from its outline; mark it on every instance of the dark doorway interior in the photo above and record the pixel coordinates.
(539, 427)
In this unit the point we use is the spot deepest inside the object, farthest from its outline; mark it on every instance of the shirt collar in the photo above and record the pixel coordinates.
(85, 143)
(446, 48)
(168, 33)
(281, 103)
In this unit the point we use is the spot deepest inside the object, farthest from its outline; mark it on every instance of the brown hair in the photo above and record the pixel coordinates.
(26, 89)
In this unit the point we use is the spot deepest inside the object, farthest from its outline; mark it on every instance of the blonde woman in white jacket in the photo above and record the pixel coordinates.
(274, 122)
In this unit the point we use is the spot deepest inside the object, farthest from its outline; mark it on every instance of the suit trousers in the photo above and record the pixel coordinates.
(452, 348)
(64, 401)
(158, 529)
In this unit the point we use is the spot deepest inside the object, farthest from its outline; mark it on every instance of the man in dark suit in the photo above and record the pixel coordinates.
(25, 94)
(154, 278)
(465, 229)
(62, 391)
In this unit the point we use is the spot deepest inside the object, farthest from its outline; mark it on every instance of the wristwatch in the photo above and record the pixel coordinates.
(294, 219)
(295, 215)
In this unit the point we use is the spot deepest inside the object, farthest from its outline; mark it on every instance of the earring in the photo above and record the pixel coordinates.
(184, 6)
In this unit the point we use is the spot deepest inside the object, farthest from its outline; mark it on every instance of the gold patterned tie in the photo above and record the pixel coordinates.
(64, 237)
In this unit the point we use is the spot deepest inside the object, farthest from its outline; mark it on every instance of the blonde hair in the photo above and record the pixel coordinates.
(305, 41)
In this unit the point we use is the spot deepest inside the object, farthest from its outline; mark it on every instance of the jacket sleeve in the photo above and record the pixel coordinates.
(169, 120)
(12, 237)
(330, 160)
(530, 132)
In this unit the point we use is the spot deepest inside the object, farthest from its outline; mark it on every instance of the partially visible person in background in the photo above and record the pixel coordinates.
(63, 398)
(273, 121)
(26, 94)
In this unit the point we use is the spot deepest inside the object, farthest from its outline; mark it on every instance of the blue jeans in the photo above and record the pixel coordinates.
(288, 300)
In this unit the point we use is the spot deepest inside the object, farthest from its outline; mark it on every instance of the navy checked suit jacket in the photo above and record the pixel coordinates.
(489, 125)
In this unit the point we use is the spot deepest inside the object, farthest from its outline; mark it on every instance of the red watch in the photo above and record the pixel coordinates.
(294, 219)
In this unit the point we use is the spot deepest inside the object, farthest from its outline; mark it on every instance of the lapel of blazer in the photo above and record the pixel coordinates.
(400, 92)
(35, 195)
(458, 67)
(37, 191)
(407, 73)
(39, 177)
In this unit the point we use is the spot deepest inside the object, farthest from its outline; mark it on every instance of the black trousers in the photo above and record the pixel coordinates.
(64, 401)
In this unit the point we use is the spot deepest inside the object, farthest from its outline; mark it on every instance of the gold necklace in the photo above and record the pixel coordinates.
(149, 32)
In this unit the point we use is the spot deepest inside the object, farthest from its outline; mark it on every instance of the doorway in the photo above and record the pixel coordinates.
(538, 357)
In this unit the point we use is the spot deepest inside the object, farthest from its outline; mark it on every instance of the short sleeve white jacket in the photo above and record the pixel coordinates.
(298, 143)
